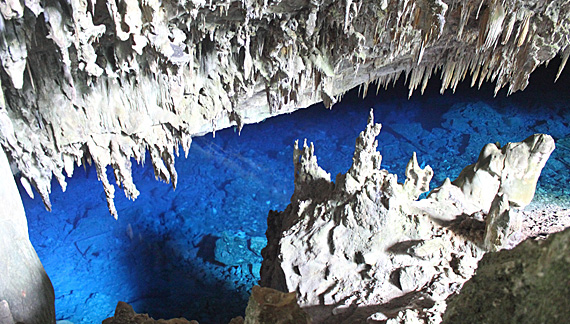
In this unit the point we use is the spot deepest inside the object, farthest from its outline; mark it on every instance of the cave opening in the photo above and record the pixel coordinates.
(194, 252)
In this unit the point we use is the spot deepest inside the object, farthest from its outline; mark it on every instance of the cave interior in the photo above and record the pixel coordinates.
(160, 255)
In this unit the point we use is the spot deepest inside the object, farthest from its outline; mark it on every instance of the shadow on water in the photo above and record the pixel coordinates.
(164, 282)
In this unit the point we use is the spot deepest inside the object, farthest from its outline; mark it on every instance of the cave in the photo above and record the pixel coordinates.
(197, 112)
(159, 255)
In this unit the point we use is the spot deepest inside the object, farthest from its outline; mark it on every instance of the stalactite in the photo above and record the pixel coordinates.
(565, 55)
(106, 81)
(509, 30)
(523, 29)
(491, 26)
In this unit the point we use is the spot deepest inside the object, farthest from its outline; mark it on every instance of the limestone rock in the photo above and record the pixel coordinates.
(365, 250)
(499, 184)
(501, 222)
(417, 179)
(5, 313)
(124, 314)
(523, 164)
(420, 316)
(362, 247)
(512, 170)
(105, 82)
(528, 284)
(269, 306)
(26, 293)
(236, 249)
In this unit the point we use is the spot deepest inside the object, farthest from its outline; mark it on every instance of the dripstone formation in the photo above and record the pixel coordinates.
(364, 250)
(106, 81)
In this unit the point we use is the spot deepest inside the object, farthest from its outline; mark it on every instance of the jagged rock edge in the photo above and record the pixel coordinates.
(194, 68)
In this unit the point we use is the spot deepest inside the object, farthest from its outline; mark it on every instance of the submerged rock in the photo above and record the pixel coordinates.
(234, 249)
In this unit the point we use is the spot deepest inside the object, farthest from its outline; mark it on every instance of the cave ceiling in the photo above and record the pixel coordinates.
(103, 82)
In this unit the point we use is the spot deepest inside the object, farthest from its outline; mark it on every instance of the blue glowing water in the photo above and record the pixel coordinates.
(159, 255)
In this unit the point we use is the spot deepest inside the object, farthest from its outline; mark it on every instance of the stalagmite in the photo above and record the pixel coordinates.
(364, 249)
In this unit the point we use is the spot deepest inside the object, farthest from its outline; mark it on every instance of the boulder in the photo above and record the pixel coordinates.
(528, 284)
(124, 314)
(269, 306)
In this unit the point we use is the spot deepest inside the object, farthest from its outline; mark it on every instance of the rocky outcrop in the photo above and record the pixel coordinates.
(528, 284)
(501, 183)
(26, 293)
(269, 306)
(363, 249)
(266, 306)
(124, 314)
(106, 81)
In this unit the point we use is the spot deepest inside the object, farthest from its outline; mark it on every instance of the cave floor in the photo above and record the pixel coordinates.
(159, 255)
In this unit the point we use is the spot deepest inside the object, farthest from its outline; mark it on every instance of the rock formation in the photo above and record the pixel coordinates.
(528, 284)
(364, 249)
(26, 293)
(105, 81)
(269, 306)
(124, 314)
(266, 306)
(501, 182)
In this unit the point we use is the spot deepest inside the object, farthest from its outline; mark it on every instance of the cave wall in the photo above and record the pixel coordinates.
(103, 82)
(26, 292)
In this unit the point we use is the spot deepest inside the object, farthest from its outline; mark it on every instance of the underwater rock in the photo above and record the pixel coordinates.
(363, 248)
(236, 249)
(26, 292)
(105, 82)
(528, 284)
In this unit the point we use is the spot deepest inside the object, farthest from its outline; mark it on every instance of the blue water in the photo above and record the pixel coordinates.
(159, 255)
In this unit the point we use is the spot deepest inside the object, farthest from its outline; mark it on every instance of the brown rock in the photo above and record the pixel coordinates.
(269, 306)
(124, 314)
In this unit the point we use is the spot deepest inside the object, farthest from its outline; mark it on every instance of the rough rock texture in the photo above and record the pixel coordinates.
(269, 306)
(363, 249)
(512, 170)
(236, 249)
(26, 293)
(528, 284)
(501, 183)
(266, 306)
(105, 81)
(124, 314)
